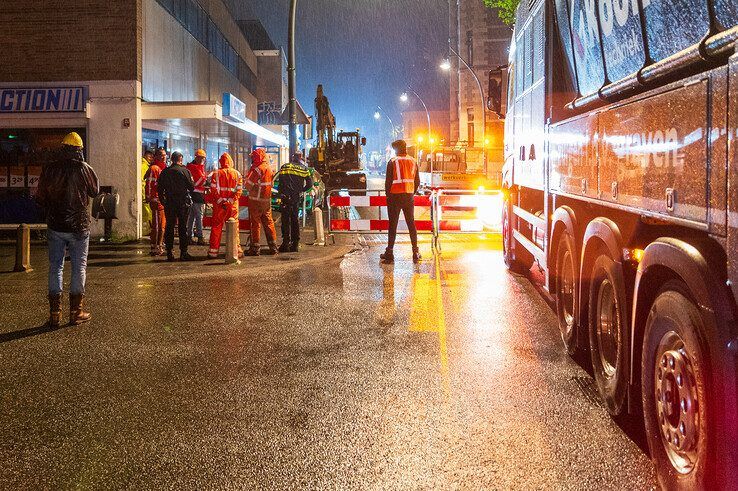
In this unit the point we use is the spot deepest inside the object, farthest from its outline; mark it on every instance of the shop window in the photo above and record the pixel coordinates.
(23, 154)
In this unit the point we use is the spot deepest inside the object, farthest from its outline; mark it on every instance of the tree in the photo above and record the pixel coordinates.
(505, 9)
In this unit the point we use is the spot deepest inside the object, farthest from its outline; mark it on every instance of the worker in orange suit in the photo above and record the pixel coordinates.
(158, 221)
(259, 185)
(226, 186)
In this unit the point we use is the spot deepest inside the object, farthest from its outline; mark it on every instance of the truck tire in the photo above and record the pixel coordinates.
(567, 285)
(516, 260)
(680, 408)
(608, 333)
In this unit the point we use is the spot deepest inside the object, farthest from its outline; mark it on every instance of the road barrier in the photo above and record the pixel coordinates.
(244, 224)
(448, 212)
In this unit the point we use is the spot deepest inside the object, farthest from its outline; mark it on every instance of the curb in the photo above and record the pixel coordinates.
(245, 269)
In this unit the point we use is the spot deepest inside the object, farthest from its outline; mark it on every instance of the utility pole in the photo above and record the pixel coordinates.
(291, 78)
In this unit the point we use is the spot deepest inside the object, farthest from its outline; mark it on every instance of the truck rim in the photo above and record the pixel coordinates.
(677, 402)
(566, 289)
(608, 328)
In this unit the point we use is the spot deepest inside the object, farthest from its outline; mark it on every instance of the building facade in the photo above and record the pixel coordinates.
(128, 75)
(483, 40)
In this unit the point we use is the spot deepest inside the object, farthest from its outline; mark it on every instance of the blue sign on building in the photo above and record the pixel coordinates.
(234, 108)
(43, 99)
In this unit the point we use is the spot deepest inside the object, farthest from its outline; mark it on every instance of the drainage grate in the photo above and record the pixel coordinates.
(586, 386)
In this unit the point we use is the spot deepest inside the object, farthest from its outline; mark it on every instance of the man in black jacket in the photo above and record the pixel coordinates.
(64, 191)
(294, 179)
(175, 186)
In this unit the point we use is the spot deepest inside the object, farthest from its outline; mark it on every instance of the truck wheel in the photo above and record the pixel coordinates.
(512, 258)
(680, 418)
(567, 268)
(608, 332)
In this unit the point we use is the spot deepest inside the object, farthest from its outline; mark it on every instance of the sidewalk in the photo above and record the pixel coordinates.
(110, 263)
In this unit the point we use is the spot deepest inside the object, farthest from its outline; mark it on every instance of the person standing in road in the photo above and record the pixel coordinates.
(259, 184)
(64, 191)
(226, 187)
(158, 219)
(194, 222)
(294, 179)
(401, 183)
(175, 188)
(146, 161)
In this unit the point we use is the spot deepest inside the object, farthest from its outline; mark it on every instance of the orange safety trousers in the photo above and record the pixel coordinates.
(260, 214)
(221, 213)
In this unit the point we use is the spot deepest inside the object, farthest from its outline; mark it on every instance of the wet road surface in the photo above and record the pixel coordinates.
(342, 375)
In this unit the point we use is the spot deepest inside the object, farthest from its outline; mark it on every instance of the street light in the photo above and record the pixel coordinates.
(291, 82)
(378, 115)
(446, 65)
(404, 98)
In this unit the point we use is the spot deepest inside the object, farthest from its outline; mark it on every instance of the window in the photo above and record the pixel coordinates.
(197, 22)
(470, 48)
(470, 133)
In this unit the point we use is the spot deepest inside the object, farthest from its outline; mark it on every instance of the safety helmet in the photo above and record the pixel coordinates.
(225, 161)
(73, 140)
(258, 156)
(200, 153)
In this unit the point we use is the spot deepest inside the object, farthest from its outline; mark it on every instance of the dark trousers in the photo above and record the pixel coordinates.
(290, 211)
(176, 215)
(404, 203)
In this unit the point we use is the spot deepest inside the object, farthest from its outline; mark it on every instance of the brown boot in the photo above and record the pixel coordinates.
(55, 311)
(77, 315)
(273, 249)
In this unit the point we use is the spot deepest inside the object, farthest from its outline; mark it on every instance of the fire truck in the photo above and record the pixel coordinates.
(621, 190)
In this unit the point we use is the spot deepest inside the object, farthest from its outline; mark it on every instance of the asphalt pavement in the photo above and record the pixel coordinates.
(328, 373)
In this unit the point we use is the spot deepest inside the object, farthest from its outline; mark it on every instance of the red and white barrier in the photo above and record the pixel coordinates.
(244, 224)
(457, 211)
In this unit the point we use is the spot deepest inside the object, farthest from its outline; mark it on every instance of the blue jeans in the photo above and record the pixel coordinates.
(194, 221)
(77, 245)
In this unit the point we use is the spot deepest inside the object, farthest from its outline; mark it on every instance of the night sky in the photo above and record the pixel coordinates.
(364, 52)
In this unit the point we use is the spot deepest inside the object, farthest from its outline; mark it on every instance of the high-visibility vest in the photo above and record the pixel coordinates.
(403, 175)
(259, 181)
(198, 176)
(226, 186)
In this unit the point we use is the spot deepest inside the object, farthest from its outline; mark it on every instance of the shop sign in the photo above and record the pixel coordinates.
(43, 99)
(34, 174)
(233, 108)
(17, 177)
(3, 177)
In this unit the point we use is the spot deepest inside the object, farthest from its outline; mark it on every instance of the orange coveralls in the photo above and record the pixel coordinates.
(259, 184)
(158, 221)
(226, 186)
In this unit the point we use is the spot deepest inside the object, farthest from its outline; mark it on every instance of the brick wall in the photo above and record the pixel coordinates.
(57, 40)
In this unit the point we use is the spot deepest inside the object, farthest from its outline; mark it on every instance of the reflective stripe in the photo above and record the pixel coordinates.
(254, 198)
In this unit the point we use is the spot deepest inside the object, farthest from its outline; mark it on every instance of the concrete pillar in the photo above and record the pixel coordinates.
(319, 230)
(231, 246)
(23, 249)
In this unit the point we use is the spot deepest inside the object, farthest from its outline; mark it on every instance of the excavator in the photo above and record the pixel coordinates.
(336, 155)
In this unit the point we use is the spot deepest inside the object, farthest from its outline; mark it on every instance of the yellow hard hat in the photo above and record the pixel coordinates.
(73, 140)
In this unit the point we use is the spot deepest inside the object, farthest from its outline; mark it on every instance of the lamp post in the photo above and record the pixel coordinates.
(378, 115)
(446, 65)
(404, 98)
(291, 82)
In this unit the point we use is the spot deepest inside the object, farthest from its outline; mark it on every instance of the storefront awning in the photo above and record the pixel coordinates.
(210, 117)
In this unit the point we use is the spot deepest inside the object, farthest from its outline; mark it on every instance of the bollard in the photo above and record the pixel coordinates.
(231, 246)
(319, 230)
(23, 249)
